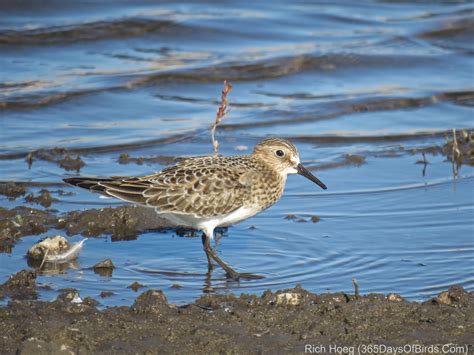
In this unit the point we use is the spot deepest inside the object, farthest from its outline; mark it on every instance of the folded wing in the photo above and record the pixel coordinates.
(203, 187)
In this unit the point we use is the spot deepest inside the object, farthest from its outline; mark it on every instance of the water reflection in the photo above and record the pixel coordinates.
(49, 268)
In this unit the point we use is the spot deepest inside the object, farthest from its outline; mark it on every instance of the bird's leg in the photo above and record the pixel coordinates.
(231, 273)
(210, 266)
(212, 255)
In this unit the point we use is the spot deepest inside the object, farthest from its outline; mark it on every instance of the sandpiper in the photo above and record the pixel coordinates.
(203, 193)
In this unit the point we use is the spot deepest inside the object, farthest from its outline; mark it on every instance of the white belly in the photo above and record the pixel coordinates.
(208, 224)
(237, 216)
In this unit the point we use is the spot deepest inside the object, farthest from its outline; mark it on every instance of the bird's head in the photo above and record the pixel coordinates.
(284, 158)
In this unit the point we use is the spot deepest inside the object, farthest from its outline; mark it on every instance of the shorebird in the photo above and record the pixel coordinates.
(204, 193)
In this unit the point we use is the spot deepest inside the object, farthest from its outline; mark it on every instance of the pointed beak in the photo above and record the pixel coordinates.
(307, 174)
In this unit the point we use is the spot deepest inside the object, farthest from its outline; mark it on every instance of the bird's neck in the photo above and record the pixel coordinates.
(271, 181)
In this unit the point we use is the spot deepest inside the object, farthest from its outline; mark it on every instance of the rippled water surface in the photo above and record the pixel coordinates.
(381, 81)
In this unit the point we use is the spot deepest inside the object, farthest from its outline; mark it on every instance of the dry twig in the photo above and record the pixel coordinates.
(221, 111)
(456, 154)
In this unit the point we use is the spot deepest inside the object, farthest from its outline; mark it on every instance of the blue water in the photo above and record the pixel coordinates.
(380, 79)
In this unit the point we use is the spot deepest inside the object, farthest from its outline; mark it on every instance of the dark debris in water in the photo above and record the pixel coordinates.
(104, 264)
(299, 219)
(105, 294)
(104, 268)
(186, 233)
(60, 156)
(44, 198)
(135, 286)
(125, 158)
(460, 149)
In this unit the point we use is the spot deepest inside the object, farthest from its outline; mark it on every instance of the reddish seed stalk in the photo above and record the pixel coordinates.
(221, 111)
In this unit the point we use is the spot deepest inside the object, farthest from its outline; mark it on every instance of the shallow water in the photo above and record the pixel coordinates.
(377, 79)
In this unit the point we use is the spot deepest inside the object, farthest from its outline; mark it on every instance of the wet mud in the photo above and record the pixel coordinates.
(124, 222)
(282, 321)
(21, 221)
(12, 190)
(121, 223)
(21, 285)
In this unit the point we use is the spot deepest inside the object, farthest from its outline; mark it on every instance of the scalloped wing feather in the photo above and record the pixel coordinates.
(203, 187)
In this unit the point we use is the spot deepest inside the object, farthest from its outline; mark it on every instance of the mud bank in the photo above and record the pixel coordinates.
(124, 222)
(280, 322)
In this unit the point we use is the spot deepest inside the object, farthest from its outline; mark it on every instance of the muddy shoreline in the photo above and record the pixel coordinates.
(275, 322)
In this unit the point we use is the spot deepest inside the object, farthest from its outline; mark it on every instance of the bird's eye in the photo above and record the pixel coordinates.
(280, 153)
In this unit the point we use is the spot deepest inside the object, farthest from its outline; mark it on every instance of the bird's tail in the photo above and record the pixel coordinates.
(90, 183)
(127, 189)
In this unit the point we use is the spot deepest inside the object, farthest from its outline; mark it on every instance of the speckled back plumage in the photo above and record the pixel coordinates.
(208, 186)
(201, 186)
